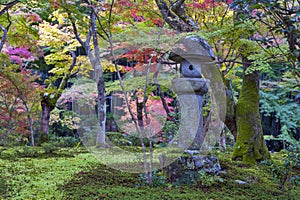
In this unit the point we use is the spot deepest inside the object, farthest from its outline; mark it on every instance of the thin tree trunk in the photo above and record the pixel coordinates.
(30, 121)
(222, 141)
(101, 111)
(150, 176)
(230, 118)
(95, 61)
(147, 129)
(46, 109)
(31, 130)
(94, 58)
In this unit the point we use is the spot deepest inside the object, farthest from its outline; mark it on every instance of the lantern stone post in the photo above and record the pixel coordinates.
(195, 56)
(193, 53)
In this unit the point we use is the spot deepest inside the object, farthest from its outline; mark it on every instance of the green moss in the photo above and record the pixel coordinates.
(83, 177)
(250, 146)
(3, 187)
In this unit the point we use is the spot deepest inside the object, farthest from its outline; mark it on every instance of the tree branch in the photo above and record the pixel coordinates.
(3, 39)
(179, 9)
(8, 6)
(175, 20)
(76, 32)
(5, 31)
(69, 72)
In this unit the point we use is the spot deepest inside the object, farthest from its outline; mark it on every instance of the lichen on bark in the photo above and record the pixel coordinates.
(250, 146)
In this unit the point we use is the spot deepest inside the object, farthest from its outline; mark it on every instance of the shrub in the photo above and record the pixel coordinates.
(283, 174)
(118, 139)
(68, 141)
(123, 139)
(158, 179)
(28, 151)
(50, 147)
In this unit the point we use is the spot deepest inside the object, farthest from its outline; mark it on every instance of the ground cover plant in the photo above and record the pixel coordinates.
(77, 174)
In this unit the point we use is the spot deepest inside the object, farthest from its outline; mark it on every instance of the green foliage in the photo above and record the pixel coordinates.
(265, 60)
(118, 139)
(132, 83)
(65, 118)
(67, 141)
(148, 37)
(170, 129)
(28, 152)
(64, 178)
(258, 64)
(284, 174)
(205, 179)
(277, 101)
(158, 179)
(49, 147)
(228, 34)
(135, 141)
(24, 33)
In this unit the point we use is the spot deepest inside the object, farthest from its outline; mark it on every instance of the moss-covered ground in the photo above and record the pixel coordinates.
(69, 174)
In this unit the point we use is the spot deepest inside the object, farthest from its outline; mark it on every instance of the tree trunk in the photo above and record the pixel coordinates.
(46, 109)
(30, 121)
(222, 141)
(230, 119)
(101, 112)
(31, 130)
(98, 77)
(250, 146)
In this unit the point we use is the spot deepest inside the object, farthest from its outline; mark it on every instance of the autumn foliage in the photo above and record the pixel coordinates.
(151, 117)
(16, 90)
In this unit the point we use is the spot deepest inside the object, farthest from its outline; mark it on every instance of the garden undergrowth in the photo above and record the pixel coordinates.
(78, 175)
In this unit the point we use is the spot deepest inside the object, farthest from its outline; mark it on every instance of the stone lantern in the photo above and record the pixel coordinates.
(196, 58)
(193, 53)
